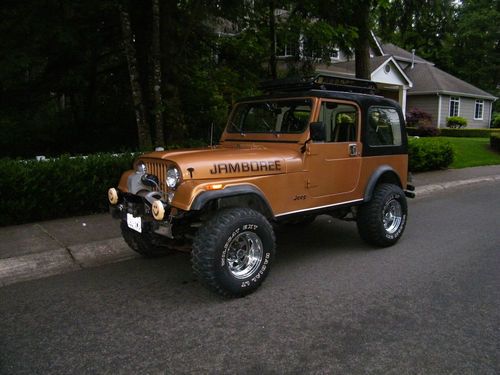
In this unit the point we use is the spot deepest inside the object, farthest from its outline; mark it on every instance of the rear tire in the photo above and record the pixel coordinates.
(232, 253)
(382, 221)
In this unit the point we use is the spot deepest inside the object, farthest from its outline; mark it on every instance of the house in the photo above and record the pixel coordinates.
(418, 83)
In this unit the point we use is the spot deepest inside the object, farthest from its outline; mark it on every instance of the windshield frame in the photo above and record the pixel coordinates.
(310, 101)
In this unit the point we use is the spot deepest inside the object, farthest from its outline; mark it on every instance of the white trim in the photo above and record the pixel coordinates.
(398, 68)
(455, 99)
(319, 208)
(481, 103)
(379, 46)
(451, 93)
(402, 99)
(439, 110)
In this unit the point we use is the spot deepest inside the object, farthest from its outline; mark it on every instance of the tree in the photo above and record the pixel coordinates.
(143, 131)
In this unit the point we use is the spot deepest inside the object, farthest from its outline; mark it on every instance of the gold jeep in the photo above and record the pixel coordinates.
(314, 146)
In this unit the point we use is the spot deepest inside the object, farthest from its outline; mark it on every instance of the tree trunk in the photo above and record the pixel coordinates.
(156, 81)
(362, 46)
(143, 131)
(272, 30)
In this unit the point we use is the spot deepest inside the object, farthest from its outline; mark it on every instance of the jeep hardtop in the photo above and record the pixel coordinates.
(322, 145)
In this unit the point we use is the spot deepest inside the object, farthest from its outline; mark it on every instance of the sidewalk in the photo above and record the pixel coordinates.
(32, 251)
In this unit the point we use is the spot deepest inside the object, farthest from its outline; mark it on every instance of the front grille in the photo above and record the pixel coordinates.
(159, 169)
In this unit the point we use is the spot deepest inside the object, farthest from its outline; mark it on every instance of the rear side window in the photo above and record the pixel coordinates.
(384, 127)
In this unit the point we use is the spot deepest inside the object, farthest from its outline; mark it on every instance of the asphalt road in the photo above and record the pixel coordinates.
(429, 305)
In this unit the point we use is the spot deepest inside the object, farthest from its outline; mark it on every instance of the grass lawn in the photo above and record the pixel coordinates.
(472, 152)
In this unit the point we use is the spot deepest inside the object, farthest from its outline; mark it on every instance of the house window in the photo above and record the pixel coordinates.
(478, 110)
(454, 106)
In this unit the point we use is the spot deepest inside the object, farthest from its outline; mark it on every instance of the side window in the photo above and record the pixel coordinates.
(383, 128)
(341, 121)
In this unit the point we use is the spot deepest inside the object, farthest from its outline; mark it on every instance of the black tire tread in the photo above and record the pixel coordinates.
(204, 245)
(368, 216)
(142, 243)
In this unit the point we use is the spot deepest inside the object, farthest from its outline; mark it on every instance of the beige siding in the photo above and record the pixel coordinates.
(426, 103)
(466, 110)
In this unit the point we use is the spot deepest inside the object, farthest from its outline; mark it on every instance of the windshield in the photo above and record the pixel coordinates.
(272, 116)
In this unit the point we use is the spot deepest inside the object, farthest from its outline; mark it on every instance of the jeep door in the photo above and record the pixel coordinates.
(334, 165)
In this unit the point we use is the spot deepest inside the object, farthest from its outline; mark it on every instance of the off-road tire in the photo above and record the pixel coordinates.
(143, 243)
(220, 246)
(382, 220)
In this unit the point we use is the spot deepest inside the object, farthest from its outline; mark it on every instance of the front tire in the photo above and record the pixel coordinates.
(233, 252)
(144, 243)
(382, 221)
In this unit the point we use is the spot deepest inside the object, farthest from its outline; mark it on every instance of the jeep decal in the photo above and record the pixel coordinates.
(251, 166)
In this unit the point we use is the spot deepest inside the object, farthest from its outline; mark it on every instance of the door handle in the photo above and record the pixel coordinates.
(353, 149)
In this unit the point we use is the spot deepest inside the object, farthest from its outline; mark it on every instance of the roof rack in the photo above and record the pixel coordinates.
(320, 82)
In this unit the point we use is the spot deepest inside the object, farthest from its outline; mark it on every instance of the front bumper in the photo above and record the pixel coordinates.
(138, 209)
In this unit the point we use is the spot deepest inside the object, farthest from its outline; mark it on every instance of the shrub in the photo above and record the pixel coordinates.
(456, 122)
(427, 154)
(472, 133)
(421, 122)
(428, 131)
(495, 123)
(40, 190)
(495, 141)
(417, 118)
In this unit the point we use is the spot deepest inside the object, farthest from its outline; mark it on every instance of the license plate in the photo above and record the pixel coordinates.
(134, 223)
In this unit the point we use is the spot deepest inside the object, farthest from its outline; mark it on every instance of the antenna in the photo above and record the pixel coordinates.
(212, 135)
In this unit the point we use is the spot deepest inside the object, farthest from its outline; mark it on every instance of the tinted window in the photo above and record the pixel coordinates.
(383, 128)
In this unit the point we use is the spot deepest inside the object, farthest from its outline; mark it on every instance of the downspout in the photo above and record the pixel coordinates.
(439, 110)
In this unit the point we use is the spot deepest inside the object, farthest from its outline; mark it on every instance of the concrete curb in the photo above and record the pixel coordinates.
(77, 257)
(426, 190)
(62, 260)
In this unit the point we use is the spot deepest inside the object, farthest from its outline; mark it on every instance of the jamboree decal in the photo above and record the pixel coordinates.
(246, 166)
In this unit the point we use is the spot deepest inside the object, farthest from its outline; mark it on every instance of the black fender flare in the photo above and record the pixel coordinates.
(231, 191)
(382, 172)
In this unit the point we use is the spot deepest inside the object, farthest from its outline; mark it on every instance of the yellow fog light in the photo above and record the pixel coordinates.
(158, 210)
(113, 196)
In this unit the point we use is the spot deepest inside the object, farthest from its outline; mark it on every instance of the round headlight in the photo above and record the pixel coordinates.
(173, 177)
(141, 168)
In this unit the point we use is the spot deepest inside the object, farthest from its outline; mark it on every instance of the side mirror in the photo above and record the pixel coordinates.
(317, 131)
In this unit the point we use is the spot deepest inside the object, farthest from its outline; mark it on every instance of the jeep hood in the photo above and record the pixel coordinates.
(230, 162)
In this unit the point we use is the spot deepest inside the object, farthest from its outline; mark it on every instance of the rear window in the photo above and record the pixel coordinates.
(384, 127)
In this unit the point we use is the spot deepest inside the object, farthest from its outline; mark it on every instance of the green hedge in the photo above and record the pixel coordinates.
(427, 154)
(41, 190)
(473, 133)
(456, 122)
(495, 141)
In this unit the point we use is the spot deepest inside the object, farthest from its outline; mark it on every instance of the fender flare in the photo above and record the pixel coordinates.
(231, 191)
(382, 171)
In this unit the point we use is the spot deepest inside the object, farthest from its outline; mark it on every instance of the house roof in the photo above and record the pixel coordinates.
(401, 54)
(385, 49)
(348, 68)
(427, 79)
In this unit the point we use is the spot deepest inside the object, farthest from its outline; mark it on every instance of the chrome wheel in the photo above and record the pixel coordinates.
(392, 216)
(244, 255)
